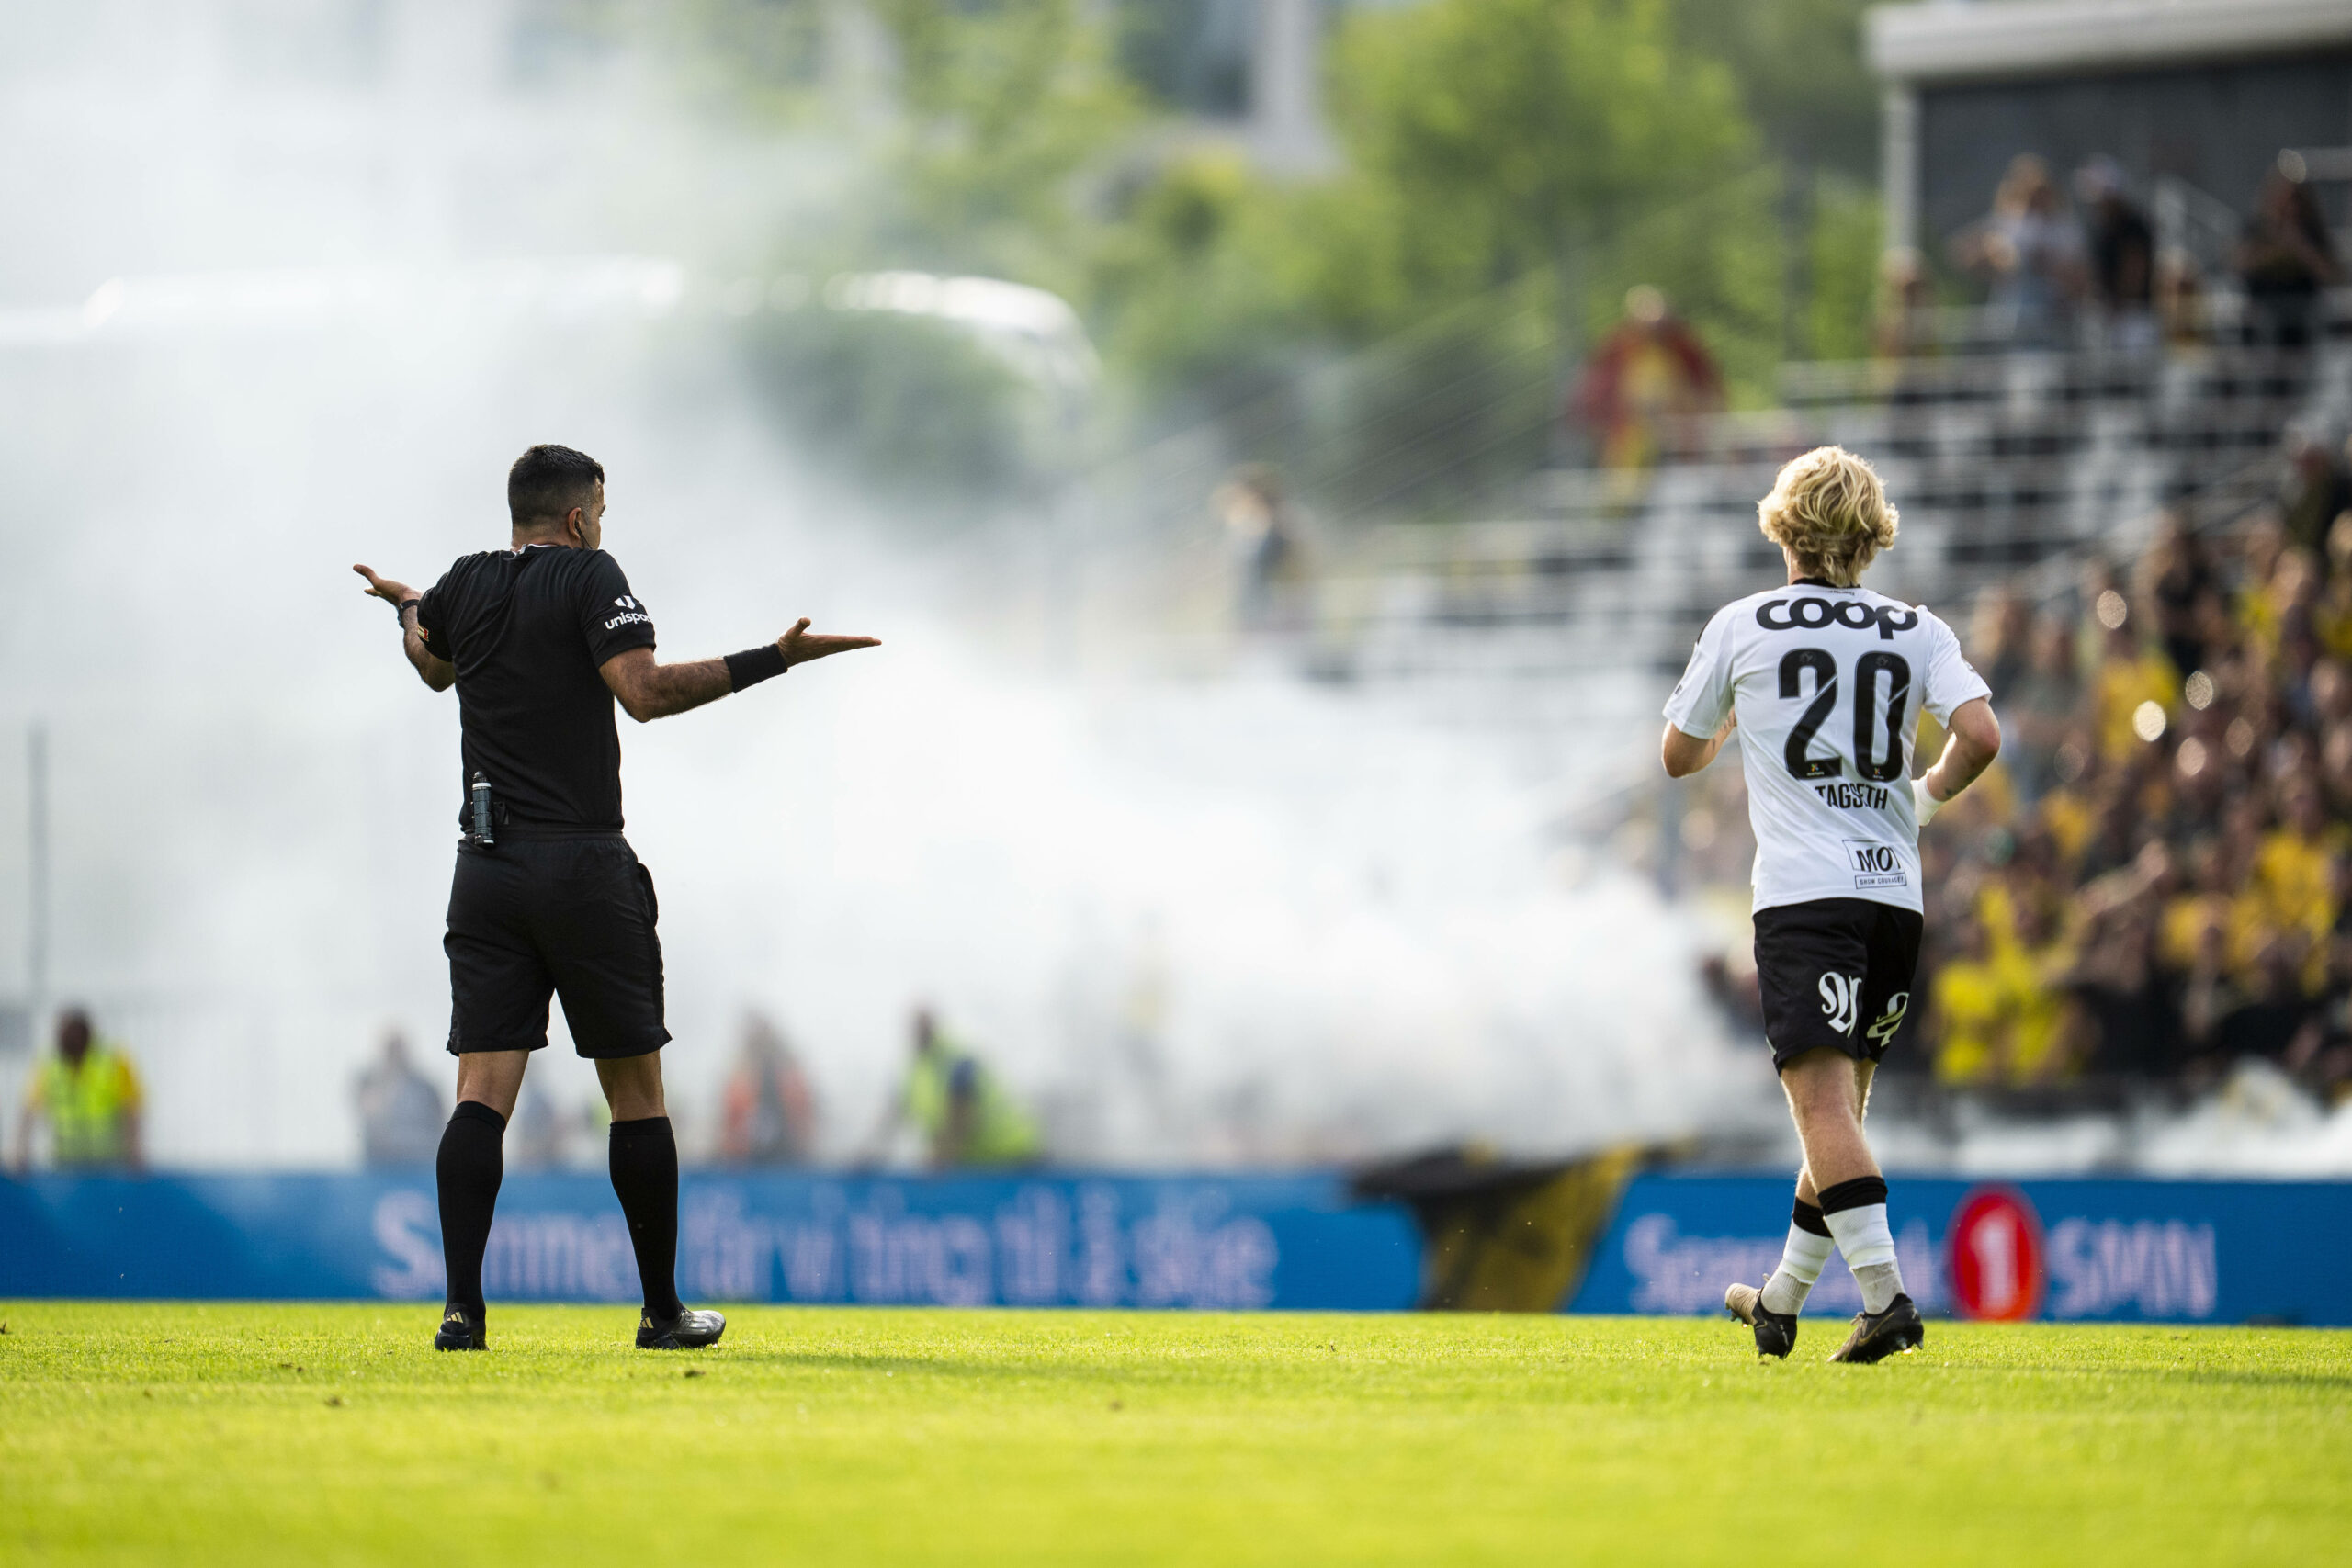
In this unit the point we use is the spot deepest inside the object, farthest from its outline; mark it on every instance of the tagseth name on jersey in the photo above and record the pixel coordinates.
(1828, 683)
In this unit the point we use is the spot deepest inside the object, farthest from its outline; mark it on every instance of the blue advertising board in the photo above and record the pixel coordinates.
(1287, 1241)
(2063, 1250)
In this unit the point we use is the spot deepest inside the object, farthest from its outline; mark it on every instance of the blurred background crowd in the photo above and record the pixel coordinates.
(1291, 443)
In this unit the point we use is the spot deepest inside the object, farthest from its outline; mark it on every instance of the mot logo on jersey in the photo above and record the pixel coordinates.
(1811, 614)
(1875, 865)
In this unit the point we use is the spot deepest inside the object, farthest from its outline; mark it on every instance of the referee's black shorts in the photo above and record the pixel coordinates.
(1836, 973)
(570, 917)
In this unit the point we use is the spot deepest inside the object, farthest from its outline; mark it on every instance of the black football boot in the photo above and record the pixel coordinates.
(1776, 1332)
(461, 1331)
(1878, 1334)
(690, 1330)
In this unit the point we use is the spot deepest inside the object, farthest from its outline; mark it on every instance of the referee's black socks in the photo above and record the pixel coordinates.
(645, 1178)
(471, 1163)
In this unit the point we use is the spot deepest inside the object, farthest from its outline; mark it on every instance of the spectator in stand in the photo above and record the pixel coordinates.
(1906, 325)
(2176, 580)
(89, 1097)
(2335, 755)
(2318, 488)
(2125, 1012)
(2273, 1005)
(2322, 1056)
(2001, 1013)
(2001, 639)
(2290, 640)
(2284, 258)
(2029, 253)
(2294, 874)
(2122, 258)
(401, 1112)
(768, 1113)
(1645, 384)
(2131, 677)
(2047, 709)
(2180, 300)
(2331, 616)
(1967, 1013)
(1264, 546)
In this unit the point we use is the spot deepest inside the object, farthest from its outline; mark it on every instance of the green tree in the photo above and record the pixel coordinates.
(1506, 136)
(1006, 107)
(1511, 166)
(1486, 141)
(1801, 74)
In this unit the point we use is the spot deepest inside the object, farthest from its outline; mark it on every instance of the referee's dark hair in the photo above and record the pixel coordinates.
(547, 481)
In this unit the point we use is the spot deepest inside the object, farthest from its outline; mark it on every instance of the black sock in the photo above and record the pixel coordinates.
(645, 1178)
(471, 1163)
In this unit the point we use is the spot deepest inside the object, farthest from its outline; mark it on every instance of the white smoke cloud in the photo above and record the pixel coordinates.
(1220, 919)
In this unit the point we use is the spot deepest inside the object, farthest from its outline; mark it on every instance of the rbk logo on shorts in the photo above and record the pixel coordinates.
(1875, 865)
(1841, 1000)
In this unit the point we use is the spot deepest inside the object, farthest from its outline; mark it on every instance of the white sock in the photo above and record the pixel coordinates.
(1802, 1257)
(1869, 1247)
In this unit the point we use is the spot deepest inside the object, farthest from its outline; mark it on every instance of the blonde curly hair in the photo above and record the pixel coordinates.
(1828, 510)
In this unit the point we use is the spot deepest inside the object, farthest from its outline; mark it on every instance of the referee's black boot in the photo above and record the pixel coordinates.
(460, 1332)
(1776, 1332)
(690, 1330)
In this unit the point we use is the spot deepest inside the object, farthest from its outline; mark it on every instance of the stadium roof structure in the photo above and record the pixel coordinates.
(1957, 39)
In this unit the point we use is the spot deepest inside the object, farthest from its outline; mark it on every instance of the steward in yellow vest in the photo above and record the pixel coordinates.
(90, 1097)
(964, 1114)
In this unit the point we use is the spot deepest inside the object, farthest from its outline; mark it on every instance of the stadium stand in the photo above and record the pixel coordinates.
(2145, 548)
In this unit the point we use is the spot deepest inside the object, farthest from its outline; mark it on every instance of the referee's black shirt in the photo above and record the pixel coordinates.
(528, 630)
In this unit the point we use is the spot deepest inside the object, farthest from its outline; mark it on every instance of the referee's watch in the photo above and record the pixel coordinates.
(402, 605)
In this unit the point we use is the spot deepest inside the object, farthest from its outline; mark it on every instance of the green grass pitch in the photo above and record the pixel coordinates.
(195, 1433)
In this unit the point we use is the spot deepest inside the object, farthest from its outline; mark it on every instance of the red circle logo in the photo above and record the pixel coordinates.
(1995, 1247)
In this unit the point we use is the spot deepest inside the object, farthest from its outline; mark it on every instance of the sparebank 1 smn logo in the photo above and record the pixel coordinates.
(1996, 1256)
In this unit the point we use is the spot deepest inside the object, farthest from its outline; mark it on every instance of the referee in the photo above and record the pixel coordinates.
(540, 638)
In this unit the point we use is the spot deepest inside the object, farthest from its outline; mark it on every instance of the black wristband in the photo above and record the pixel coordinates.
(754, 665)
(402, 605)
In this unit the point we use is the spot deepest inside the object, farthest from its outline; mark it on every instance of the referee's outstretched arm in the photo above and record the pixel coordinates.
(437, 673)
(649, 690)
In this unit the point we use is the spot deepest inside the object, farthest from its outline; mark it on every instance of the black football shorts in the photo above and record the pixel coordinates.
(1836, 973)
(573, 918)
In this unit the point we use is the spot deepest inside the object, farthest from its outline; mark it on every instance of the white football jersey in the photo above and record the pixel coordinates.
(1828, 683)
